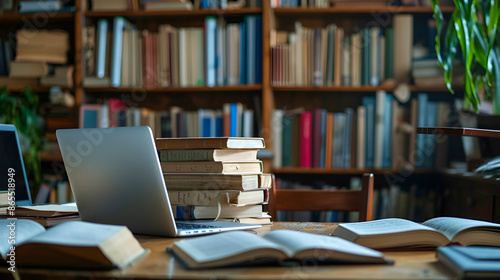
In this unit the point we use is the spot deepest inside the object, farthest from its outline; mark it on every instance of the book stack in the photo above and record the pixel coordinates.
(215, 178)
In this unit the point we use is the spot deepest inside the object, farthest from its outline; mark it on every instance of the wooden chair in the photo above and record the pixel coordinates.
(326, 200)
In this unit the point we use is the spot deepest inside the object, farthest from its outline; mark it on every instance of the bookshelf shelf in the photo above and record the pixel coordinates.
(183, 14)
(239, 88)
(350, 171)
(21, 18)
(300, 11)
(332, 89)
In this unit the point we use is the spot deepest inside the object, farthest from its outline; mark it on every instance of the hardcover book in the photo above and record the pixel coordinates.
(216, 197)
(244, 248)
(215, 181)
(208, 155)
(472, 262)
(69, 244)
(441, 231)
(221, 167)
(199, 212)
(210, 143)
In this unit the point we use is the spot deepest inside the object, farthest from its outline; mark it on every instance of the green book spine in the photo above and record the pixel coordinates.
(365, 71)
(389, 53)
(186, 155)
(287, 141)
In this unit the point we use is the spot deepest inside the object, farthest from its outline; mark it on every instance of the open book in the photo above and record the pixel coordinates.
(243, 248)
(441, 231)
(73, 244)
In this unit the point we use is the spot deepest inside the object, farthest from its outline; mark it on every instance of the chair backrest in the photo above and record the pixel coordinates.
(326, 200)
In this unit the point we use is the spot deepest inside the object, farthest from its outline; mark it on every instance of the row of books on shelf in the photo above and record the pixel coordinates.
(330, 56)
(159, 5)
(234, 119)
(416, 203)
(329, 3)
(44, 6)
(206, 180)
(118, 54)
(380, 133)
(352, 3)
(35, 58)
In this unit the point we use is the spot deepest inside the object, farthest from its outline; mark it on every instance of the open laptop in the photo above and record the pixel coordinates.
(116, 178)
(11, 162)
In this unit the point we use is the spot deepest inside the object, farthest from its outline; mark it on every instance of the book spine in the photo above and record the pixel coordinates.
(116, 59)
(306, 139)
(212, 167)
(215, 143)
(210, 27)
(186, 155)
(203, 197)
(102, 30)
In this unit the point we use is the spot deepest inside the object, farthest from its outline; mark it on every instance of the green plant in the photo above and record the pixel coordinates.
(21, 109)
(472, 27)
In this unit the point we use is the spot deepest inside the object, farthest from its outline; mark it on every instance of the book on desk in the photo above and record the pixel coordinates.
(73, 244)
(240, 248)
(401, 233)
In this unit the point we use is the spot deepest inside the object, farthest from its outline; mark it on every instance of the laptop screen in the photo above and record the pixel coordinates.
(11, 165)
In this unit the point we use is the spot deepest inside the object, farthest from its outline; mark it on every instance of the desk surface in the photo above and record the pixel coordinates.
(160, 265)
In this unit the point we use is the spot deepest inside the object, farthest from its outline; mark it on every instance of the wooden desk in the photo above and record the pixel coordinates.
(160, 265)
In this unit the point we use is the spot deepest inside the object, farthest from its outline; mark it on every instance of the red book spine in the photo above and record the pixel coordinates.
(306, 139)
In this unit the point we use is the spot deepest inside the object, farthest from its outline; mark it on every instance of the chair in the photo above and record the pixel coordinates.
(326, 200)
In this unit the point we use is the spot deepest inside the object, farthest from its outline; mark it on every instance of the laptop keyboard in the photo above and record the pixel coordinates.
(193, 226)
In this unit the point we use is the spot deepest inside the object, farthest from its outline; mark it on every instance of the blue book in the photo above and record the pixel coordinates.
(233, 120)
(210, 33)
(207, 126)
(90, 116)
(387, 132)
(102, 30)
(219, 125)
(471, 262)
(258, 50)
(243, 54)
(346, 150)
(116, 56)
(369, 104)
(250, 22)
(423, 101)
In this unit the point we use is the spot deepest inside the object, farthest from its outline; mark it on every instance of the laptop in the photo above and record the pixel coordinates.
(116, 178)
(12, 165)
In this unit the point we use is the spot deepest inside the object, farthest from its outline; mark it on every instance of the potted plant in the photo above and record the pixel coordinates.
(22, 110)
(473, 28)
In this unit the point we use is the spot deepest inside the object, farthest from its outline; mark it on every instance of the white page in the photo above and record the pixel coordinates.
(450, 226)
(294, 241)
(383, 226)
(223, 245)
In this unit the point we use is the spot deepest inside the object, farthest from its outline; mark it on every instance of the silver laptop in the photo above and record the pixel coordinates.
(12, 166)
(116, 178)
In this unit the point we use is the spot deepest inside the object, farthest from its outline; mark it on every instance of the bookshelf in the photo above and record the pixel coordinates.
(263, 97)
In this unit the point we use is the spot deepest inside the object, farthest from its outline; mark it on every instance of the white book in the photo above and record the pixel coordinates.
(183, 62)
(298, 54)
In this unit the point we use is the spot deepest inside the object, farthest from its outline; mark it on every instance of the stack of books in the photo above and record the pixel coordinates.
(215, 178)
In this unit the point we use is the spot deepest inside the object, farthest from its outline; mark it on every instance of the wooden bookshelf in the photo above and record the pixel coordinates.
(270, 96)
(183, 14)
(351, 171)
